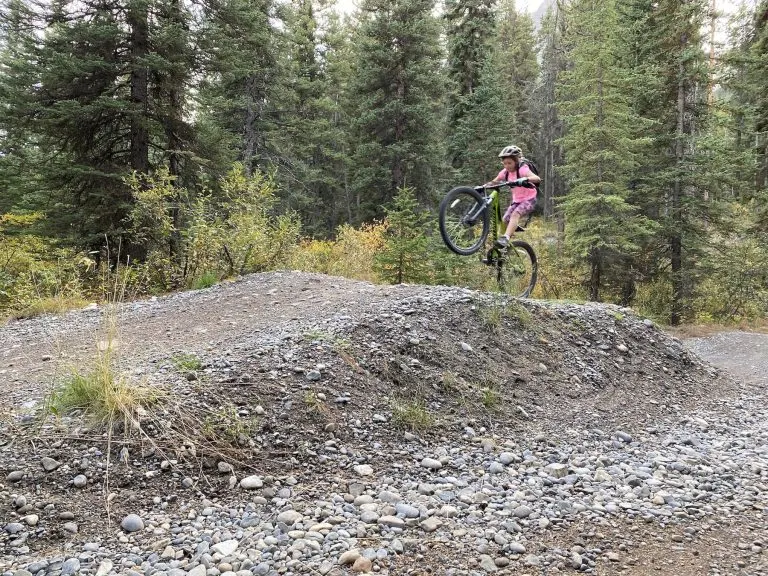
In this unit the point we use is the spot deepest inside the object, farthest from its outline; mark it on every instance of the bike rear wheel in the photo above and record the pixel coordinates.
(464, 220)
(517, 270)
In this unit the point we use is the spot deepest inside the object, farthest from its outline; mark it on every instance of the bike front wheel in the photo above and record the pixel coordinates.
(517, 270)
(464, 220)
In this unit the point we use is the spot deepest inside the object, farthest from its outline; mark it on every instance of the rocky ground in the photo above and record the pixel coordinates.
(314, 425)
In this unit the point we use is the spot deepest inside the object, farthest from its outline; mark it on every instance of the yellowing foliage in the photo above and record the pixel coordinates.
(36, 276)
(351, 255)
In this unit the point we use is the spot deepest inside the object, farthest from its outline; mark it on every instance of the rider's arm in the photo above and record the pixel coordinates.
(528, 173)
(499, 178)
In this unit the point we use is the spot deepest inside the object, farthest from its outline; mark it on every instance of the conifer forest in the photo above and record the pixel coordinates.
(171, 144)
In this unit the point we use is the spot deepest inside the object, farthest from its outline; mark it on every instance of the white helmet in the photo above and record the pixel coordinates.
(510, 152)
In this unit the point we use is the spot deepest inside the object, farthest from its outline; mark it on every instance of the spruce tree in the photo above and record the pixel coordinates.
(239, 48)
(747, 82)
(404, 257)
(470, 29)
(486, 126)
(518, 74)
(680, 109)
(550, 127)
(20, 181)
(677, 184)
(338, 61)
(312, 141)
(602, 145)
(106, 104)
(397, 89)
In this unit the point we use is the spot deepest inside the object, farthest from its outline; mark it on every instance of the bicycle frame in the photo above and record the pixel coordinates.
(491, 200)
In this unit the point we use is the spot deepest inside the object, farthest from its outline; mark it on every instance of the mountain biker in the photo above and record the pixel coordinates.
(517, 173)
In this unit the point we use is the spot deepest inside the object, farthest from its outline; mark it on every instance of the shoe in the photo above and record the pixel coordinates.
(502, 242)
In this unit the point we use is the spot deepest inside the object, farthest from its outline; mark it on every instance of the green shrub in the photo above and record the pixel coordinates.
(232, 231)
(36, 275)
(207, 280)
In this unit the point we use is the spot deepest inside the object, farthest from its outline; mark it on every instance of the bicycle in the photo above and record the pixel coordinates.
(465, 223)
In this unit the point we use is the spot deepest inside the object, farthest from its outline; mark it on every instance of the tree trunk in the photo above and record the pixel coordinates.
(137, 20)
(675, 237)
(594, 277)
(628, 291)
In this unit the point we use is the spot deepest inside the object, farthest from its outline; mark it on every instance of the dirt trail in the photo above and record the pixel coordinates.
(33, 352)
(743, 354)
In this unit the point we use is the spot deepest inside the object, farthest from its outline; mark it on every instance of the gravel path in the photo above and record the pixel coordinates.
(683, 493)
(743, 354)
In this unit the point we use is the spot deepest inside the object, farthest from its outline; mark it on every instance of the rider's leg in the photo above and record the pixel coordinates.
(514, 220)
(513, 215)
(509, 217)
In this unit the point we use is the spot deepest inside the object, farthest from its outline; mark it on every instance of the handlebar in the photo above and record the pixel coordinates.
(502, 185)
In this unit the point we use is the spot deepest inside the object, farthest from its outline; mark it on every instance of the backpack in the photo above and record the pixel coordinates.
(531, 167)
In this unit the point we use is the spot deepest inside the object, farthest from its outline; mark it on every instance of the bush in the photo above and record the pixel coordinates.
(36, 275)
(351, 255)
(234, 231)
(207, 280)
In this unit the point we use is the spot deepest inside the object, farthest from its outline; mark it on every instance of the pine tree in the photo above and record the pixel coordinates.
(405, 254)
(338, 64)
(105, 105)
(518, 73)
(239, 47)
(550, 127)
(485, 128)
(747, 81)
(397, 90)
(678, 184)
(313, 142)
(171, 78)
(494, 71)
(602, 145)
(470, 28)
(19, 156)
(680, 109)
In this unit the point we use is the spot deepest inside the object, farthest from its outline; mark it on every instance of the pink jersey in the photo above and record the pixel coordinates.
(519, 193)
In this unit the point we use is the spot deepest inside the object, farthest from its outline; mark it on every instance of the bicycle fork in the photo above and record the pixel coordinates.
(471, 218)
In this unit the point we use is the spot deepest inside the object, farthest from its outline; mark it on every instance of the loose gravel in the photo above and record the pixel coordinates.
(598, 438)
